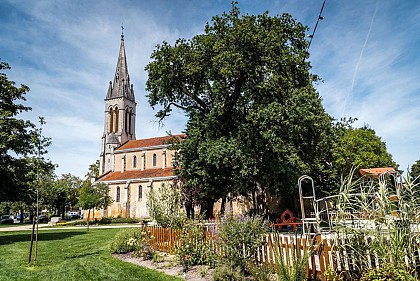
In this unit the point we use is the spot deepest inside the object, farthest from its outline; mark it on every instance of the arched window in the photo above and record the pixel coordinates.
(130, 117)
(127, 116)
(111, 120)
(154, 160)
(140, 192)
(134, 161)
(116, 113)
(118, 195)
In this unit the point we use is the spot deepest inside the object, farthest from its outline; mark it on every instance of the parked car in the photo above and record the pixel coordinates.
(18, 216)
(42, 218)
(6, 219)
(74, 215)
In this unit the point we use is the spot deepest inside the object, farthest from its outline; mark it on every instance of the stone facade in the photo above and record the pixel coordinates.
(130, 167)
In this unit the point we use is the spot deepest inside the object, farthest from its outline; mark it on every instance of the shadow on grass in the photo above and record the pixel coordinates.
(44, 236)
(95, 253)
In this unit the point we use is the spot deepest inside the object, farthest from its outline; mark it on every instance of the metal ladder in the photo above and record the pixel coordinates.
(307, 222)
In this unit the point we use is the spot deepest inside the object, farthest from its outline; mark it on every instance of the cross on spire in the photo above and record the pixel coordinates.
(122, 31)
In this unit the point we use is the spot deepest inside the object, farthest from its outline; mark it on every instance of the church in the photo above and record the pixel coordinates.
(130, 167)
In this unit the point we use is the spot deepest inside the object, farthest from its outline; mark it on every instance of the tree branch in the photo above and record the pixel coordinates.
(200, 102)
(234, 97)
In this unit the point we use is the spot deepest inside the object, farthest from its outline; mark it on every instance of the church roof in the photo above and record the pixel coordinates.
(157, 141)
(121, 86)
(137, 174)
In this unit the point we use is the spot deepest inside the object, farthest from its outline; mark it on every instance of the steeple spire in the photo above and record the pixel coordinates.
(120, 112)
(121, 86)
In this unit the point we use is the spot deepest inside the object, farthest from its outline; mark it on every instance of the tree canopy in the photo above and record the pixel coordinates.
(62, 194)
(93, 196)
(415, 170)
(358, 148)
(255, 121)
(16, 136)
(21, 144)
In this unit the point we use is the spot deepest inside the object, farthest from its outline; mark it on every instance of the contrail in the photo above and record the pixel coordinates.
(358, 61)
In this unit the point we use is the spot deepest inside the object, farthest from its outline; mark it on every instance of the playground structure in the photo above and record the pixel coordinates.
(319, 215)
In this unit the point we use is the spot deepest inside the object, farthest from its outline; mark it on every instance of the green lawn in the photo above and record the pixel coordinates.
(68, 255)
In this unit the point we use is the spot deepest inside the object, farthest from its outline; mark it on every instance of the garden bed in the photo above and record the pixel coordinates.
(169, 266)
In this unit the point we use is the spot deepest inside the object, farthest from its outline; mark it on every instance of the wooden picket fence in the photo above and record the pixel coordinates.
(275, 245)
(322, 255)
(164, 239)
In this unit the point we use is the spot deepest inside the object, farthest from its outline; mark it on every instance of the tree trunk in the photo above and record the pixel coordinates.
(254, 201)
(32, 238)
(88, 218)
(189, 208)
(21, 216)
(63, 210)
(207, 208)
(31, 216)
(223, 206)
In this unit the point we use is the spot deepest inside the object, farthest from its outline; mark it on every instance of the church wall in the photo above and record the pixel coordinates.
(130, 203)
(163, 159)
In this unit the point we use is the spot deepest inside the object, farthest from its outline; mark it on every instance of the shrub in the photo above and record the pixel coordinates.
(240, 237)
(390, 209)
(228, 272)
(332, 275)
(260, 272)
(156, 258)
(297, 270)
(74, 223)
(194, 248)
(125, 220)
(165, 206)
(103, 221)
(147, 250)
(387, 272)
(127, 240)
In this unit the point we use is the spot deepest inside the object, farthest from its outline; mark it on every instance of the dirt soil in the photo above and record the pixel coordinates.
(169, 266)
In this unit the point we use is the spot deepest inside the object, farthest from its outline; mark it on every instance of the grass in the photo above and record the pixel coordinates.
(68, 255)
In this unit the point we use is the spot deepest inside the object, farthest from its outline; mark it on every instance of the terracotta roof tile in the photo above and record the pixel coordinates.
(137, 174)
(149, 142)
(375, 172)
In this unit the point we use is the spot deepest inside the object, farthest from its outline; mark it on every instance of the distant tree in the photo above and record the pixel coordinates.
(415, 170)
(360, 148)
(62, 193)
(91, 196)
(255, 121)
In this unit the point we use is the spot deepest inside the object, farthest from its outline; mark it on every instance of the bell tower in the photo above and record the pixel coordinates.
(120, 112)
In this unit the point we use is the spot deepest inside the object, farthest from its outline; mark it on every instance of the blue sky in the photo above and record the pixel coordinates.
(366, 51)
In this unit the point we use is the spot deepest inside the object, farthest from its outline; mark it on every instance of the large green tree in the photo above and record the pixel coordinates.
(415, 170)
(358, 148)
(16, 138)
(22, 146)
(255, 121)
